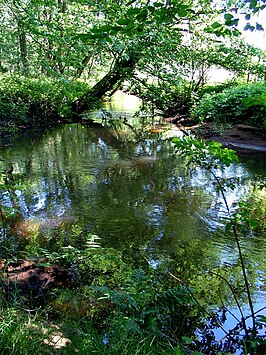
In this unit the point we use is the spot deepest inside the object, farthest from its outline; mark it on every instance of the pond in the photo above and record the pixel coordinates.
(124, 182)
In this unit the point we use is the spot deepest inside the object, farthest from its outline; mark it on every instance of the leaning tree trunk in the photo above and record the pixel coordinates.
(122, 69)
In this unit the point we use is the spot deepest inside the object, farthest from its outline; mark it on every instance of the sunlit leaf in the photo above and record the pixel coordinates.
(216, 25)
(228, 17)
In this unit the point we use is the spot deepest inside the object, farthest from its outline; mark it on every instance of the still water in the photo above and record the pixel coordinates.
(124, 182)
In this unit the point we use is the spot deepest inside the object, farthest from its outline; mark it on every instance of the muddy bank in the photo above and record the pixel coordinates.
(242, 138)
(33, 281)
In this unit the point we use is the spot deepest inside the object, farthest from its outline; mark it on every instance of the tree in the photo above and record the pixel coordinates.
(44, 36)
(159, 46)
(175, 47)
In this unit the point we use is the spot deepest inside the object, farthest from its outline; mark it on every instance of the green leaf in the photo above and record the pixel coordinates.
(123, 22)
(176, 140)
(187, 340)
(253, 223)
(133, 11)
(107, 39)
(139, 29)
(228, 17)
(228, 226)
(105, 28)
(161, 12)
(84, 37)
(182, 12)
(259, 27)
(236, 32)
(208, 29)
(249, 27)
(216, 25)
(253, 5)
(142, 15)
(95, 30)
(130, 25)
(158, 4)
(233, 22)
(261, 318)
(115, 30)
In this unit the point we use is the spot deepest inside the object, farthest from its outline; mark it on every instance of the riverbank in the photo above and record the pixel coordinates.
(242, 138)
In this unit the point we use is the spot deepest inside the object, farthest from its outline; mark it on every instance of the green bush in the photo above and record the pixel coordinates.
(113, 309)
(244, 104)
(216, 88)
(28, 102)
(172, 96)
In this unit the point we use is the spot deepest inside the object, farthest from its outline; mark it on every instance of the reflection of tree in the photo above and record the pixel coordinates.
(84, 169)
(133, 193)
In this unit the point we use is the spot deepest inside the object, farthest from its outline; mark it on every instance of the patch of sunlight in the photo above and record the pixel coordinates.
(123, 102)
(56, 339)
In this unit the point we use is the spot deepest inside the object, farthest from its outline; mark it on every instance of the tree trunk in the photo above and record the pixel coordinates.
(122, 69)
(23, 49)
(85, 61)
(62, 5)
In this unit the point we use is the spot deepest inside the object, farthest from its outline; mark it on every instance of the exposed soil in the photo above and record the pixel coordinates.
(33, 281)
(241, 137)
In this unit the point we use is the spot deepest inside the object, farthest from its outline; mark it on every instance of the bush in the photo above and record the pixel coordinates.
(28, 102)
(172, 96)
(240, 104)
(112, 309)
(216, 88)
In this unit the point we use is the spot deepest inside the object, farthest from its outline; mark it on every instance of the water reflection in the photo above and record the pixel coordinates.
(127, 186)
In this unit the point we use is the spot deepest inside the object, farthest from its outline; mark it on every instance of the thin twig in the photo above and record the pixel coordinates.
(221, 189)
(237, 302)
(204, 310)
(232, 314)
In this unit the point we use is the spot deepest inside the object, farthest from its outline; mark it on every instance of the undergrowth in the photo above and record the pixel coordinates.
(244, 104)
(30, 102)
(108, 308)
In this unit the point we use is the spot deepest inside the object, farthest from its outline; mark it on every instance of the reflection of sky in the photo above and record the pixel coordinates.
(154, 215)
(94, 166)
(120, 106)
(231, 322)
(40, 204)
(232, 174)
(167, 203)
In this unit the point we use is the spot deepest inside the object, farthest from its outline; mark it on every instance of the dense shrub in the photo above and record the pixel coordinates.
(239, 104)
(27, 102)
(216, 88)
(171, 97)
